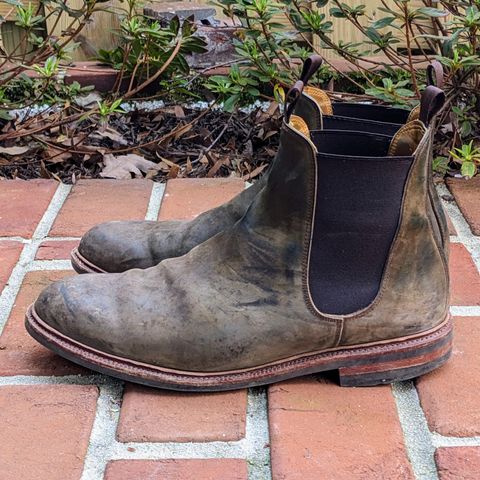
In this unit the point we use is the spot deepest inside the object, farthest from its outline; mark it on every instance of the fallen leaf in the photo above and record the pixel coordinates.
(254, 173)
(173, 173)
(216, 167)
(112, 135)
(179, 113)
(123, 166)
(55, 155)
(14, 150)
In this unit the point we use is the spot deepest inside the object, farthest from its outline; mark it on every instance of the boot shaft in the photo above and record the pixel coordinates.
(355, 222)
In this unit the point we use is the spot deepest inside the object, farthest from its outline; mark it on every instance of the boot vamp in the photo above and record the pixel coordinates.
(119, 246)
(231, 303)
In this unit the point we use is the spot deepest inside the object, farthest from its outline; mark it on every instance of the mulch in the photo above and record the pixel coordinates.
(179, 141)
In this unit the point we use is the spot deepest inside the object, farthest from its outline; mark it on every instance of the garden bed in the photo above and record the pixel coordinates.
(167, 142)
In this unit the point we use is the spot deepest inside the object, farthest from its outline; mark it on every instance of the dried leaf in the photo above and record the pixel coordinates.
(255, 173)
(173, 173)
(123, 166)
(54, 155)
(182, 131)
(179, 113)
(112, 135)
(14, 150)
(216, 167)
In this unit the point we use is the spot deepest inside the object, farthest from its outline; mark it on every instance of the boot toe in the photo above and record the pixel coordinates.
(118, 246)
(74, 308)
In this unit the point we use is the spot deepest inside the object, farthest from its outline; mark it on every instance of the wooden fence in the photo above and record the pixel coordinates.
(99, 32)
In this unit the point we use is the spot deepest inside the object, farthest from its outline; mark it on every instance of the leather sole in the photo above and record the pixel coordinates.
(360, 365)
(81, 265)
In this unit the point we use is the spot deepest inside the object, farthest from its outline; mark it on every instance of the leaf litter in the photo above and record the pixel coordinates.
(169, 142)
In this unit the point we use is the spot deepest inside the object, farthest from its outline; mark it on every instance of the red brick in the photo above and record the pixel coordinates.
(448, 395)
(217, 469)
(9, 254)
(457, 463)
(150, 415)
(45, 430)
(186, 198)
(321, 431)
(95, 201)
(20, 354)
(23, 205)
(464, 277)
(467, 196)
(53, 250)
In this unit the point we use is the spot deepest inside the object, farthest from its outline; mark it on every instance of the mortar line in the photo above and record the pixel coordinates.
(50, 265)
(102, 436)
(417, 436)
(448, 442)
(94, 379)
(11, 289)
(60, 239)
(15, 239)
(465, 311)
(29, 240)
(155, 202)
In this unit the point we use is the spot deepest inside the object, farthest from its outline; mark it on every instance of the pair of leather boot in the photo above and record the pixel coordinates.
(335, 260)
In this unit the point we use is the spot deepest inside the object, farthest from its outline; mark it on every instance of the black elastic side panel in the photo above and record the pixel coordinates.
(356, 217)
(360, 125)
(371, 112)
(360, 144)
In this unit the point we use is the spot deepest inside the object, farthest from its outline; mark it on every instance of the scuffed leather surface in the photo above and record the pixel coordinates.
(235, 301)
(414, 294)
(115, 247)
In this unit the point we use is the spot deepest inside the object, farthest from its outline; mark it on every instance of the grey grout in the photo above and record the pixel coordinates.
(15, 239)
(465, 311)
(156, 197)
(102, 437)
(443, 441)
(94, 379)
(50, 265)
(418, 441)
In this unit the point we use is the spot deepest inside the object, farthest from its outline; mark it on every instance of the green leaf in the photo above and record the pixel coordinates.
(383, 22)
(468, 169)
(432, 12)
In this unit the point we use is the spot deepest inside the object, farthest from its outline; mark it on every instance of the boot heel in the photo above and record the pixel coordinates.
(402, 360)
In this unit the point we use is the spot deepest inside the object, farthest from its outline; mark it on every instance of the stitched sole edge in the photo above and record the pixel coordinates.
(375, 364)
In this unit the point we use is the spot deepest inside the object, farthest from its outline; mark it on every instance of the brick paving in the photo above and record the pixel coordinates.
(61, 421)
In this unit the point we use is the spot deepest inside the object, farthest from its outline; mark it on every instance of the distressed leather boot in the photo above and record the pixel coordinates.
(119, 246)
(337, 265)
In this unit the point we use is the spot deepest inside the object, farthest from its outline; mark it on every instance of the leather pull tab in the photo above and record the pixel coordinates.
(433, 100)
(310, 67)
(435, 74)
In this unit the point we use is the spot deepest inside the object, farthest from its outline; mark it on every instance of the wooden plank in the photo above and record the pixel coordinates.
(98, 33)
